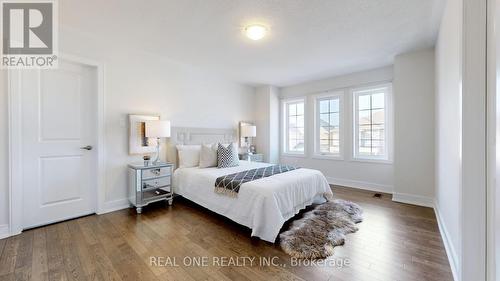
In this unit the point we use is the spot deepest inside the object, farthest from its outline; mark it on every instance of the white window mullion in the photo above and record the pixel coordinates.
(328, 121)
(372, 124)
(294, 113)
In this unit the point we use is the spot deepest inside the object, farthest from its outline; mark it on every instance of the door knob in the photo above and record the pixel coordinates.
(88, 147)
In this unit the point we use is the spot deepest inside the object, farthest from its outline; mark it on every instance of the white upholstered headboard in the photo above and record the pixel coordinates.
(180, 135)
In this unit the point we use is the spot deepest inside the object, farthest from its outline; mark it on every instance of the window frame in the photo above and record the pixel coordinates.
(285, 123)
(388, 120)
(317, 111)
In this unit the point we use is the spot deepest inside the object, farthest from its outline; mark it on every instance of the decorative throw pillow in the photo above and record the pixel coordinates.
(189, 155)
(208, 156)
(227, 156)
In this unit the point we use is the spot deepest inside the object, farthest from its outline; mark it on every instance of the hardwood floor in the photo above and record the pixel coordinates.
(395, 242)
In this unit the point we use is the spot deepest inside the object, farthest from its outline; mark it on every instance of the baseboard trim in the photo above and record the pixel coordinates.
(109, 206)
(360, 185)
(413, 199)
(448, 245)
(114, 205)
(4, 231)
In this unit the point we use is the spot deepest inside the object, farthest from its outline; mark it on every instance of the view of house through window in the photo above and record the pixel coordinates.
(294, 127)
(328, 125)
(370, 126)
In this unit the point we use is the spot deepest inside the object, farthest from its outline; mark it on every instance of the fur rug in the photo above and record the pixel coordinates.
(316, 234)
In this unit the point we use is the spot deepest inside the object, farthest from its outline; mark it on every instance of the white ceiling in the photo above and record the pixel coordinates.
(308, 39)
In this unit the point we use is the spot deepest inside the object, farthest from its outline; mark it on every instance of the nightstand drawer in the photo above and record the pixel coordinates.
(155, 172)
(154, 194)
(155, 183)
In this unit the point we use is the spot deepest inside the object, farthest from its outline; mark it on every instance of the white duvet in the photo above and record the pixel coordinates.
(263, 205)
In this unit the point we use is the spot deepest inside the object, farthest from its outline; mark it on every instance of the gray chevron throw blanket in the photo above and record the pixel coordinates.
(230, 184)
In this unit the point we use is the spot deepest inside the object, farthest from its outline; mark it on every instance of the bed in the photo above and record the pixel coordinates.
(263, 205)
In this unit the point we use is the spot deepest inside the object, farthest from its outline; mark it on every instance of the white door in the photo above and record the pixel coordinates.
(59, 119)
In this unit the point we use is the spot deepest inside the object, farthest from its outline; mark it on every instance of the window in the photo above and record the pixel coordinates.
(328, 129)
(371, 124)
(294, 141)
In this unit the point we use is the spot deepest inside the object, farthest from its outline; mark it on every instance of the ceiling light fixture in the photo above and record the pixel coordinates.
(255, 31)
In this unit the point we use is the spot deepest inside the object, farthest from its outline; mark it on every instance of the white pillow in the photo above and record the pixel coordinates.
(208, 156)
(189, 155)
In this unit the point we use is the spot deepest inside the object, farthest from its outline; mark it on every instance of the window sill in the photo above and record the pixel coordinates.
(327, 157)
(374, 161)
(299, 155)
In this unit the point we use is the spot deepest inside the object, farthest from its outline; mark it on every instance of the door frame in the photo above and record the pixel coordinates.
(493, 148)
(14, 90)
(473, 158)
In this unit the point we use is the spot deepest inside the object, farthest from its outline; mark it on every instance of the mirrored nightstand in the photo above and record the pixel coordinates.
(148, 184)
(252, 157)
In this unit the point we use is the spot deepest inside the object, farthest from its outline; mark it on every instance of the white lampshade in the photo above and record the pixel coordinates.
(248, 131)
(158, 129)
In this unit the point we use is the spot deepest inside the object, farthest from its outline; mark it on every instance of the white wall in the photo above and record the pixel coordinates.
(143, 83)
(267, 122)
(4, 160)
(137, 82)
(375, 176)
(414, 88)
(262, 120)
(448, 127)
(274, 125)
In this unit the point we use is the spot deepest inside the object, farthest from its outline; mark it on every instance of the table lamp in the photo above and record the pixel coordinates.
(248, 131)
(157, 129)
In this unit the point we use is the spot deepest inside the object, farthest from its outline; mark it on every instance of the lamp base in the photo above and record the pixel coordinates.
(247, 144)
(157, 157)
